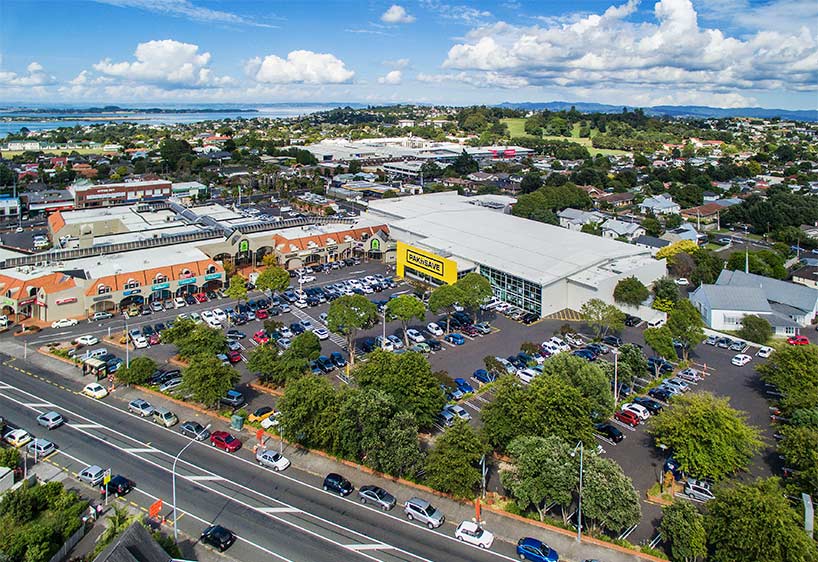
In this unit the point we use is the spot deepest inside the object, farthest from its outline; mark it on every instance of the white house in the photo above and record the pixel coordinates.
(574, 219)
(629, 231)
(661, 204)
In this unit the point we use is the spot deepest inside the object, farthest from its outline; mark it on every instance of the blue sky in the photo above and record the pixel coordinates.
(724, 53)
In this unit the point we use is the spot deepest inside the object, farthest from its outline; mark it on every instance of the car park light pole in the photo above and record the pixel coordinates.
(173, 472)
(581, 447)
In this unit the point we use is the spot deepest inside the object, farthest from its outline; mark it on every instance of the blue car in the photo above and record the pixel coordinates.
(337, 359)
(463, 386)
(483, 376)
(455, 338)
(452, 393)
(585, 354)
(535, 550)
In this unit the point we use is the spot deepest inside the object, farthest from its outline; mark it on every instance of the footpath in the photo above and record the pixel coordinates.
(504, 526)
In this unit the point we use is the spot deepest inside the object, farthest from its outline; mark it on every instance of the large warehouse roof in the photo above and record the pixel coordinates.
(450, 224)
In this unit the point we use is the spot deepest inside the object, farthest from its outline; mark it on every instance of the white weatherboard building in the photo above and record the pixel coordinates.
(539, 267)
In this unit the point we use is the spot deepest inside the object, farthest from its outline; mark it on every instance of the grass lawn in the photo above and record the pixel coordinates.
(516, 128)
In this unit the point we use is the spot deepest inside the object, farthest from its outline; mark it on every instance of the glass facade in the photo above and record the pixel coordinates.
(514, 290)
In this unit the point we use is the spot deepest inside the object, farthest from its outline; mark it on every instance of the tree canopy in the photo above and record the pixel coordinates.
(444, 298)
(755, 329)
(405, 308)
(682, 530)
(347, 315)
(138, 372)
(207, 379)
(452, 465)
(273, 278)
(631, 291)
(602, 317)
(686, 326)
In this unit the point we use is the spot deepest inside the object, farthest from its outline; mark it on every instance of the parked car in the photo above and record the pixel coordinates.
(661, 394)
(613, 341)
(194, 430)
(609, 431)
(535, 550)
(434, 329)
(698, 490)
(377, 496)
(170, 384)
(218, 537)
(628, 418)
(95, 390)
(17, 437)
(417, 509)
(740, 360)
(690, 375)
(641, 412)
(140, 407)
(64, 323)
(87, 340)
(337, 359)
(765, 352)
(415, 336)
(677, 383)
(737, 346)
(434, 345)
(233, 398)
(117, 486)
(338, 484)
(649, 404)
(92, 475)
(458, 411)
(632, 321)
(164, 417)
(272, 459)
(463, 385)
(224, 441)
(472, 533)
(455, 338)
(483, 376)
(798, 340)
(50, 420)
(711, 340)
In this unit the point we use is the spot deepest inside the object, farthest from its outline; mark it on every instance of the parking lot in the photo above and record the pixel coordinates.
(637, 455)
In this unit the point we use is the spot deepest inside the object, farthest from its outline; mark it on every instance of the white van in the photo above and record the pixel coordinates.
(98, 352)
(657, 322)
(286, 209)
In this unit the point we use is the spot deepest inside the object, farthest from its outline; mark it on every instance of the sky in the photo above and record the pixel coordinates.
(721, 53)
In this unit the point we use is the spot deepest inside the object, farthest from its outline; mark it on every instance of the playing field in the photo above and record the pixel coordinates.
(516, 128)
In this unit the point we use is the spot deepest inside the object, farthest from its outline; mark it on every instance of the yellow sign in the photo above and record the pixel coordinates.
(422, 261)
(106, 479)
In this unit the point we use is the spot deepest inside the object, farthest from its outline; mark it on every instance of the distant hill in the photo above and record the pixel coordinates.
(698, 111)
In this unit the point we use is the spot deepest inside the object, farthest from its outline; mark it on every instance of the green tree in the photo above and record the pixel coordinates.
(666, 292)
(430, 170)
(609, 499)
(10, 458)
(630, 290)
(397, 450)
(208, 380)
(305, 346)
(347, 315)
(273, 279)
(708, 438)
(588, 378)
(476, 290)
(793, 369)
(652, 227)
(534, 206)
(201, 340)
(799, 447)
(464, 164)
(756, 522)
(405, 308)
(443, 299)
(408, 379)
(543, 472)
(453, 464)
(686, 326)
(531, 182)
(237, 289)
(660, 340)
(555, 407)
(682, 530)
(602, 317)
(762, 262)
(634, 358)
(501, 415)
(756, 329)
(309, 412)
(180, 330)
(138, 371)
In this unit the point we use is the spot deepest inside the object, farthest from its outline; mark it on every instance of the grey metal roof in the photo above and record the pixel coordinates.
(723, 297)
(792, 294)
(135, 544)
(651, 241)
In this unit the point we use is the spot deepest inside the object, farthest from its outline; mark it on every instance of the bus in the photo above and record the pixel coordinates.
(96, 367)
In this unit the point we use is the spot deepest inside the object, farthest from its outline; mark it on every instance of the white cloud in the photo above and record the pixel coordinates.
(35, 76)
(299, 67)
(672, 53)
(397, 14)
(186, 9)
(477, 79)
(165, 62)
(463, 14)
(392, 77)
(396, 63)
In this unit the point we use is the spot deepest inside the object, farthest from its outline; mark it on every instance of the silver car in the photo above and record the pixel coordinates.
(377, 496)
(140, 407)
(92, 475)
(41, 448)
(50, 420)
(424, 512)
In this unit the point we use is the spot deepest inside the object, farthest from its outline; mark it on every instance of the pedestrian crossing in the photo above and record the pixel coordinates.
(333, 337)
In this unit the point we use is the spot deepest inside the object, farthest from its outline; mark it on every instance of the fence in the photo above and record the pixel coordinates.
(60, 555)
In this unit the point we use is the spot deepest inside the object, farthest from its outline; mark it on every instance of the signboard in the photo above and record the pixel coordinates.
(425, 262)
(101, 298)
(154, 509)
(131, 292)
(211, 276)
(189, 281)
(5, 301)
(375, 245)
(244, 246)
(68, 300)
(160, 286)
(28, 301)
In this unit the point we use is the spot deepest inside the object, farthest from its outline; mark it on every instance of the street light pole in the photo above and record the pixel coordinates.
(173, 472)
(127, 343)
(581, 447)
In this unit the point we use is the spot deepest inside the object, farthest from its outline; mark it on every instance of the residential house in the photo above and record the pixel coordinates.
(710, 197)
(736, 294)
(135, 544)
(662, 204)
(575, 219)
(629, 231)
(593, 192)
(703, 214)
(810, 230)
(651, 243)
(482, 177)
(685, 232)
(617, 199)
(807, 276)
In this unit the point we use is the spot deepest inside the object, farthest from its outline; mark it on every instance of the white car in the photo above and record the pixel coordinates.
(502, 307)
(640, 411)
(434, 329)
(272, 459)
(492, 302)
(472, 533)
(213, 323)
(385, 344)
(527, 375)
(141, 407)
(95, 390)
(307, 325)
(207, 316)
(17, 437)
(765, 352)
(64, 323)
(415, 336)
(458, 411)
(286, 332)
(551, 347)
(322, 333)
(87, 340)
(301, 303)
(179, 302)
(306, 279)
(219, 314)
(140, 342)
(396, 341)
(682, 282)
(740, 360)
(560, 344)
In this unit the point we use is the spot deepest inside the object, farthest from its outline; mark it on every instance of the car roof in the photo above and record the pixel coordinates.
(531, 541)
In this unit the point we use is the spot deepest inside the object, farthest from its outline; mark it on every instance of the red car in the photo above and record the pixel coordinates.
(261, 337)
(470, 331)
(261, 314)
(234, 356)
(201, 297)
(798, 340)
(628, 418)
(224, 441)
(154, 339)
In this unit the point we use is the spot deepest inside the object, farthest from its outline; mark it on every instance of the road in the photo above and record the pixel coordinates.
(281, 515)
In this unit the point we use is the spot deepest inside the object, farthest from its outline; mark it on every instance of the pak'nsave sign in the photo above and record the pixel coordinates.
(425, 262)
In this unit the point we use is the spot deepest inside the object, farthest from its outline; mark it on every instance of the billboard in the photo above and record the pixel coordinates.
(425, 262)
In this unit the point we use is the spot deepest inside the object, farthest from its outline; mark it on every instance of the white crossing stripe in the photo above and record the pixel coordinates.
(140, 450)
(39, 405)
(366, 546)
(85, 425)
(204, 478)
(277, 510)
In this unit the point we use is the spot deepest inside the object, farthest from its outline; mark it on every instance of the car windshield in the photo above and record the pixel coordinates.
(229, 438)
(430, 510)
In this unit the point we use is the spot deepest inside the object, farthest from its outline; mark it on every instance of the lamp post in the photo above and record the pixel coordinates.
(127, 342)
(173, 472)
(581, 447)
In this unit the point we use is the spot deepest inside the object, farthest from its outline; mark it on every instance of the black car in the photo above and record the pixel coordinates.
(296, 328)
(159, 327)
(609, 431)
(337, 359)
(117, 486)
(529, 318)
(632, 320)
(368, 345)
(191, 300)
(434, 345)
(218, 537)
(147, 330)
(659, 365)
(650, 405)
(338, 484)
(613, 341)
(325, 363)
(162, 376)
(235, 335)
(313, 301)
(211, 295)
(660, 394)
